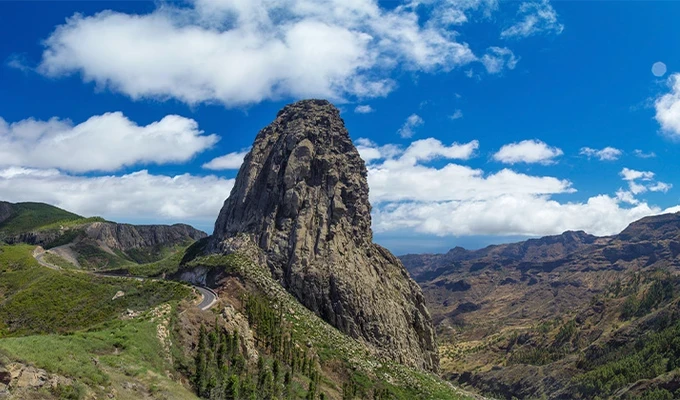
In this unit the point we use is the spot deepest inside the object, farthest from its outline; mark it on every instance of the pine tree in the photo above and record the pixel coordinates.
(201, 374)
(231, 390)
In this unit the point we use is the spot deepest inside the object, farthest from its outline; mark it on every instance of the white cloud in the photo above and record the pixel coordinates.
(660, 187)
(631, 175)
(527, 151)
(511, 214)
(647, 177)
(498, 58)
(370, 151)
(668, 108)
(239, 53)
(535, 17)
(641, 154)
(457, 12)
(227, 161)
(412, 122)
(363, 109)
(409, 193)
(105, 142)
(627, 197)
(458, 114)
(132, 197)
(606, 154)
(423, 150)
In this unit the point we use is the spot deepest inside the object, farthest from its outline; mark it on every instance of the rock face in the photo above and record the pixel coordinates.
(5, 210)
(122, 237)
(125, 236)
(424, 267)
(302, 196)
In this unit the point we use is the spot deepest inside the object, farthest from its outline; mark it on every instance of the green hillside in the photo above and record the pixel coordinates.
(96, 336)
(318, 358)
(25, 217)
(36, 299)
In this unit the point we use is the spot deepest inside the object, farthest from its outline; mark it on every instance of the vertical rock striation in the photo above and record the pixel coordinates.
(302, 197)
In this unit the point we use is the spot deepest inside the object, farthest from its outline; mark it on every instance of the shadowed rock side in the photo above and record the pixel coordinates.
(122, 237)
(5, 210)
(302, 197)
(125, 236)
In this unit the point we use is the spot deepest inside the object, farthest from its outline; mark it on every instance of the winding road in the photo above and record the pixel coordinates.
(209, 296)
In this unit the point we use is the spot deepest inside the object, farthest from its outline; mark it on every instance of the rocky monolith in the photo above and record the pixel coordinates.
(302, 197)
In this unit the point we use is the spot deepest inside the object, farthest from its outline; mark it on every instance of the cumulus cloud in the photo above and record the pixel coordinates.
(498, 58)
(139, 196)
(363, 109)
(668, 108)
(534, 17)
(410, 193)
(370, 151)
(527, 151)
(423, 150)
(104, 142)
(403, 175)
(239, 53)
(631, 175)
(412, 122)
(660, 187)
(512, 214)
(606, 154)
(635, 187)
(227, 161)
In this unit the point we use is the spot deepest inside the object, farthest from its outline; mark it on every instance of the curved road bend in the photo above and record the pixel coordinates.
(209, 296)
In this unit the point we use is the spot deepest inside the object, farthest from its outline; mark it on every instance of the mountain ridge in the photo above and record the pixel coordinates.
(537, 318)
(90, 240)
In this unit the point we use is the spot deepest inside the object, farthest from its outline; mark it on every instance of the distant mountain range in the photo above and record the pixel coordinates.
(500, 311)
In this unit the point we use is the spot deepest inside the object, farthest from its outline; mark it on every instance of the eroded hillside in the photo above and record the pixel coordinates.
(562, 316)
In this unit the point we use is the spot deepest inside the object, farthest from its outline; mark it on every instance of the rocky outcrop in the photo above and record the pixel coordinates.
(122, 237)
(5, 210)
(302, 197)
(125, 236)
(19, 381)
(658, 227)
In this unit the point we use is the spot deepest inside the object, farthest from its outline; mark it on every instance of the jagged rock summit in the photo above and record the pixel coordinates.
(301, 197)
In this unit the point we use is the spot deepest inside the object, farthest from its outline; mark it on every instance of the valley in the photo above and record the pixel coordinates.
(567, 316)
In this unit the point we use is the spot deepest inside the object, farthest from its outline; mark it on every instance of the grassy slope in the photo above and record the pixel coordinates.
(39, 300)
(81, 335)
(30, 216)
(332, 346)
(167, 265)
(106, 359)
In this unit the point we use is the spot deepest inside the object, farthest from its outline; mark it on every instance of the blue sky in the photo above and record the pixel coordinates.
(482, 121)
